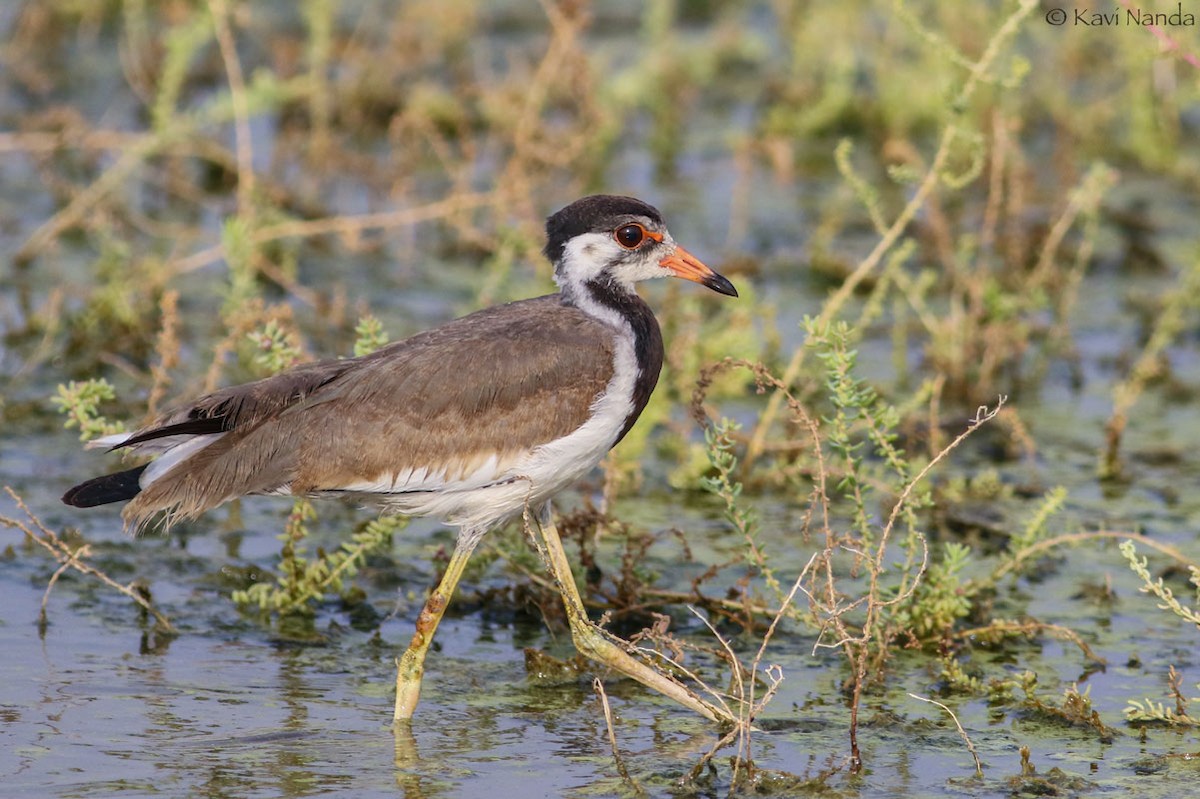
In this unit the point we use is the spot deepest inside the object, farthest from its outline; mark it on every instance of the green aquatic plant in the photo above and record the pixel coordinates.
(1035, 529)
(941, 599)
(238, 245)
(80, 402)
(866, 627)
(181, 43)
(957, 125)
(1166, 597)
(864, 607)
(723, 483)
(1075, 709)
(718, 440)
(861, 417)
(1151, 710)
(1025, 540)
(276, 348)
(1157, 712)
(319, 17)
(1169, 323)
(302, 581)
(955, 677)
(369, 335)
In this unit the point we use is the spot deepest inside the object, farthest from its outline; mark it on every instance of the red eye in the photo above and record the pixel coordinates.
(630, 236)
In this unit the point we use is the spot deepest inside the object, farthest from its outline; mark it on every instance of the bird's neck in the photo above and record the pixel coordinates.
(602, 299)
(621, 308)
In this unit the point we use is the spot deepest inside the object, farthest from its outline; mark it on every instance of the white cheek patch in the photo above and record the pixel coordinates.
(584, 259)
(647, 267)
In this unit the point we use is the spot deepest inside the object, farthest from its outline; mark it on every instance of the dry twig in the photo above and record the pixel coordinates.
(43, 536)
(962, 733)
(633, 784)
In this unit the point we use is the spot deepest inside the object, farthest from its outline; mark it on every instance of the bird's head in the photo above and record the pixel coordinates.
(617, 241)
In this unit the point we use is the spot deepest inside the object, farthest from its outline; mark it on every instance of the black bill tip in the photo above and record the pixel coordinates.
(720, 284)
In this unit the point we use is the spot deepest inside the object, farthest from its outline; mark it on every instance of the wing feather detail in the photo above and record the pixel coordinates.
(441, 408)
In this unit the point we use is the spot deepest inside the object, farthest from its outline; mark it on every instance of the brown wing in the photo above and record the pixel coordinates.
(495, 383)
(241, 407)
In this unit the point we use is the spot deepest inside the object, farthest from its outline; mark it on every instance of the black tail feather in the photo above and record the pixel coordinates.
(116, 487)
(190, 427)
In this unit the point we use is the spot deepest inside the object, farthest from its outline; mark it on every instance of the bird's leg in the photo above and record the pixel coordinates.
(594, 643)
(411, 665)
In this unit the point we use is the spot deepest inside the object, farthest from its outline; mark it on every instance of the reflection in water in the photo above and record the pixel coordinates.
(408, 777)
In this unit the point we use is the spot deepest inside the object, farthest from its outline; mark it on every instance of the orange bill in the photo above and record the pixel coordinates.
(689, 267)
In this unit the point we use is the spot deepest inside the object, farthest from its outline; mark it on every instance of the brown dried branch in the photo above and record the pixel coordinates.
(72, 559)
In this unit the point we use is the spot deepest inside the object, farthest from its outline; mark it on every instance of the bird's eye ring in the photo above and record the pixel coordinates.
(630, 236)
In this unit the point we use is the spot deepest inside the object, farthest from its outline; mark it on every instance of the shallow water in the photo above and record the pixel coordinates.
(99, 707)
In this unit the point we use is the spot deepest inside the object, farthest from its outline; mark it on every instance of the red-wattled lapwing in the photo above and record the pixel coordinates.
(472, 422)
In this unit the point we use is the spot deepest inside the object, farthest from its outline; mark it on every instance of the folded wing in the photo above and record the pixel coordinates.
(449, 407)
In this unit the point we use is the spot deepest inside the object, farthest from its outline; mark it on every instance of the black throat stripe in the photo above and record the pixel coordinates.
(647, 341)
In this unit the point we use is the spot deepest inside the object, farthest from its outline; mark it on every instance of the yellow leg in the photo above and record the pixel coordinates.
(411, 665)
(594, 643)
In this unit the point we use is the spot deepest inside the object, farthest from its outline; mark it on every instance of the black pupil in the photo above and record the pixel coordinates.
(630, 235)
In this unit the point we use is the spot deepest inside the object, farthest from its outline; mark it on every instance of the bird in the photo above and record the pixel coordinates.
(474, 422)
